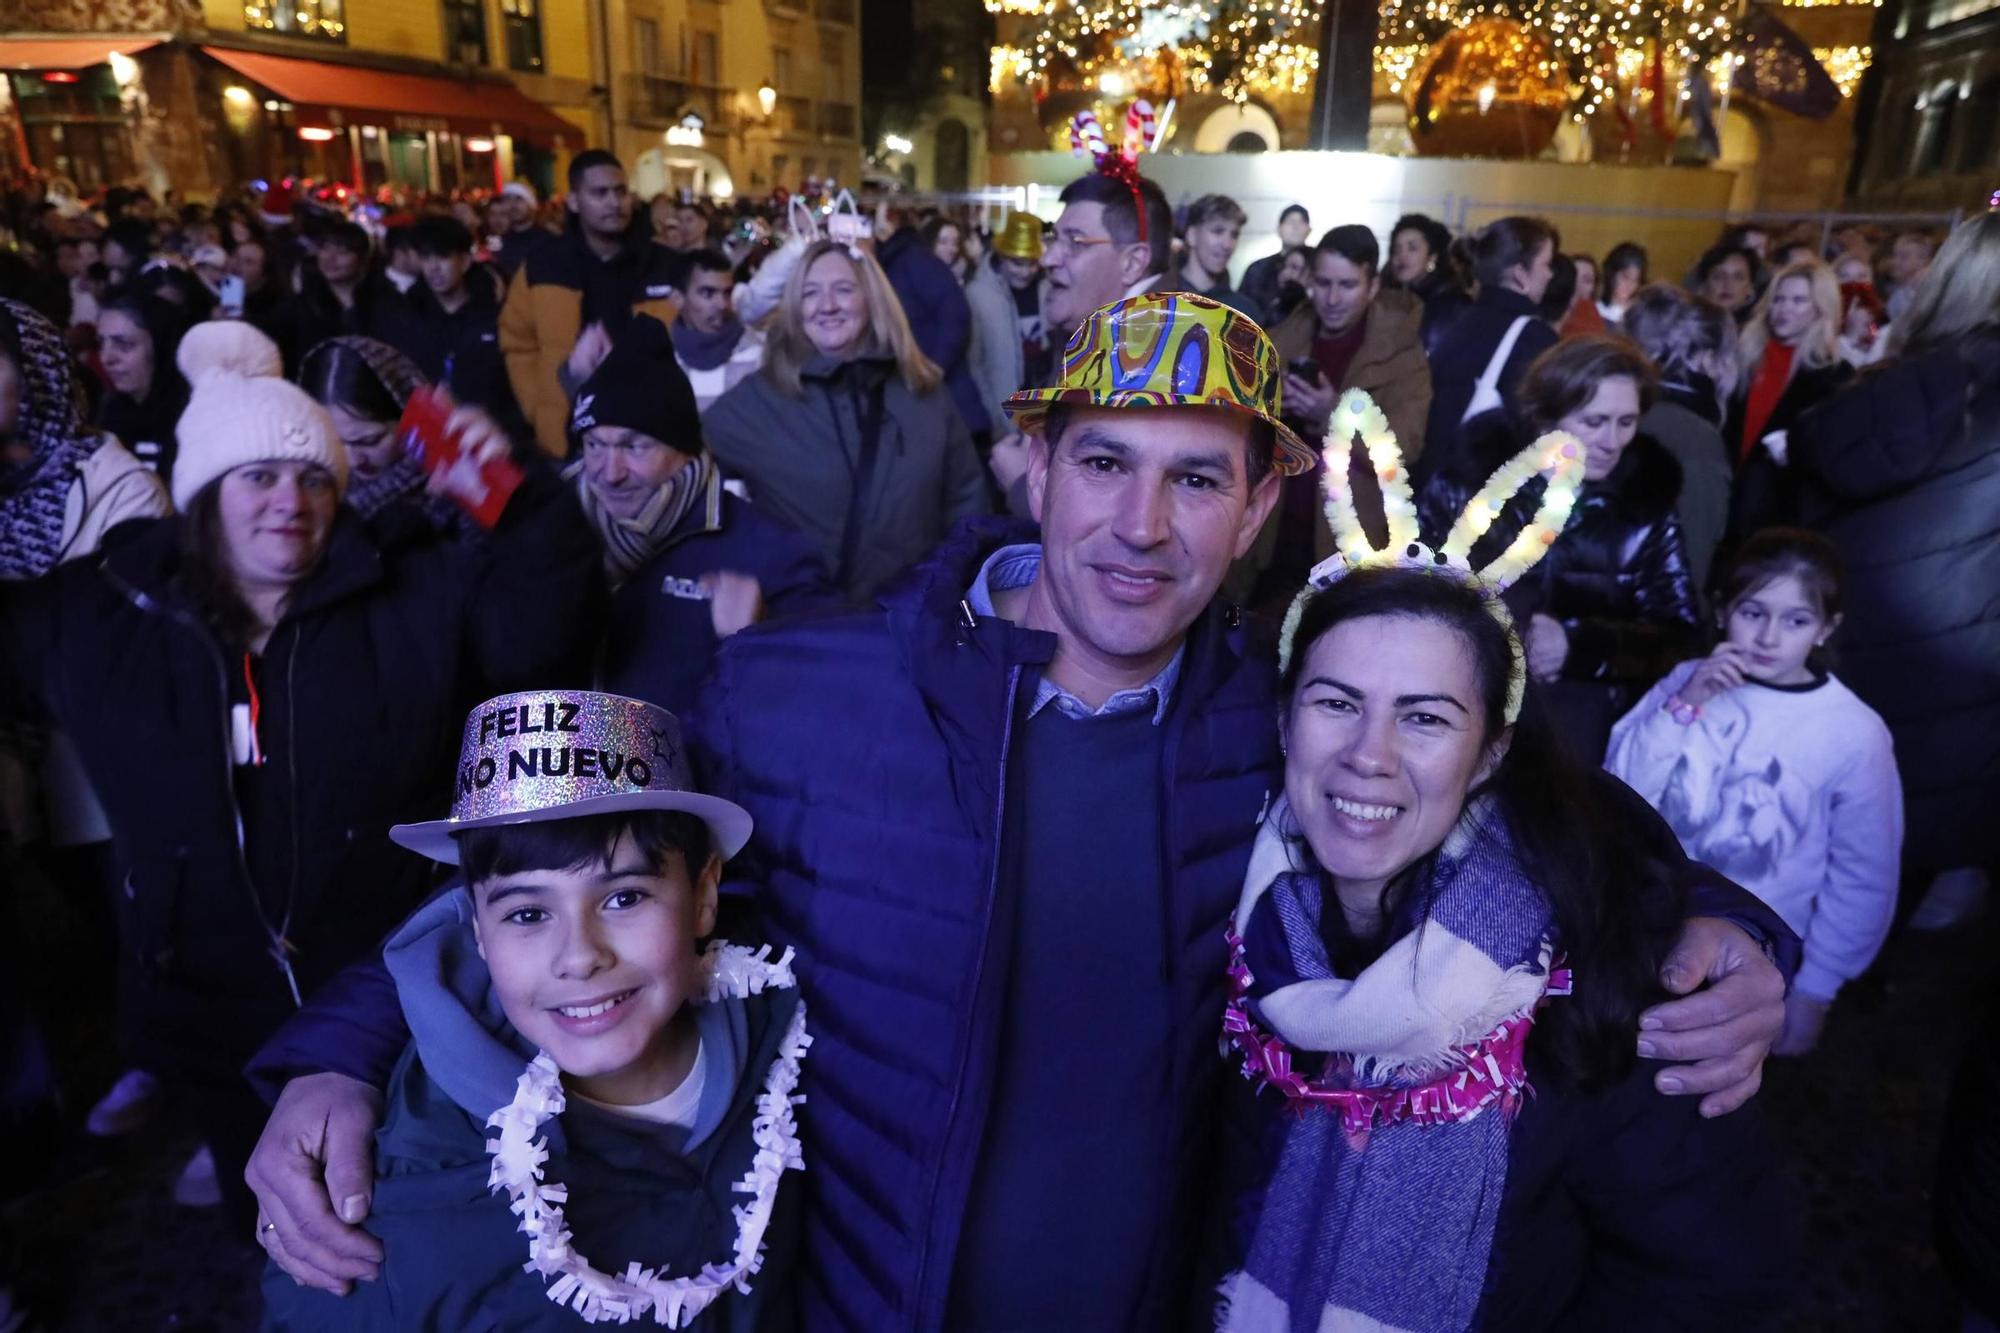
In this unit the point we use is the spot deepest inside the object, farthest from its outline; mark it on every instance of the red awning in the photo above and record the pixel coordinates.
(67, 52)
(410, 102)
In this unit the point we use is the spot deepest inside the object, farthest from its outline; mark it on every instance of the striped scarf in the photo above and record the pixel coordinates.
(630, 542)
(1380, 1213)
(34, 497)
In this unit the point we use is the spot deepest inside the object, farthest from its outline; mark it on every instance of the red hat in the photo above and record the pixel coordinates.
(276, 207)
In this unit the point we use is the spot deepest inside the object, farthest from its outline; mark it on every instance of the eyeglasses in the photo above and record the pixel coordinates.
(1075, 241)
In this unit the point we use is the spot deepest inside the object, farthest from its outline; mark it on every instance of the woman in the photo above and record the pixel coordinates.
(945, 239)
(1612, 608)
(1582, 315)
(847, 435)
(1692, 342)
(137, 337)
(1419, 249)
(1480, 349)
(1791, 361)
(1624, 274)
(1902, 471)
(1444, 943)
(364, 385)
(258, 690)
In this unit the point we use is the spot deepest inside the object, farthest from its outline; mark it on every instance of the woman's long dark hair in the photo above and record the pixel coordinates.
(1617, 909)
(203, 580)
(338, 376)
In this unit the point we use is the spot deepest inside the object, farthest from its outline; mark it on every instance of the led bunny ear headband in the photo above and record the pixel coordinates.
(1557, 456)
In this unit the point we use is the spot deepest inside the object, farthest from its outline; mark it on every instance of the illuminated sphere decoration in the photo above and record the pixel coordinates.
(1493, 88)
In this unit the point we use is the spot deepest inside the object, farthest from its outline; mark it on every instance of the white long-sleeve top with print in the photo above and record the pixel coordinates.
(1792, 793)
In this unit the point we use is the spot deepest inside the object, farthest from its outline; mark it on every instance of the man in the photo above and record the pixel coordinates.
(1010, 343)
(1261, 279)
(1358, 336)
(692, 224)
(712, 346)
(1214, 226)
(402, 267)
(344, 292)
(520, 234)
(458, 306)
(690, 563)
(1727, 275)
(939, 316)
(128, 245)
(1003, 818)
(598, 272)
(1909, 262)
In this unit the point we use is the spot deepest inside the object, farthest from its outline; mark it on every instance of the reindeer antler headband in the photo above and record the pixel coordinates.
(1086, 139)
(1557, 456)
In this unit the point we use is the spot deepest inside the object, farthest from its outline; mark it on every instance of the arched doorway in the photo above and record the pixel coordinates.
(1238, 129)
(951, 159)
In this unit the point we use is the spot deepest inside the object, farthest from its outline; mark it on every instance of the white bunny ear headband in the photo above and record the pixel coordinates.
(1556, 455)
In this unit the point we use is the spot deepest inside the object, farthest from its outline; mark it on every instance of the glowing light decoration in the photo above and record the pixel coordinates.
(1845, 65)
(1010, 64)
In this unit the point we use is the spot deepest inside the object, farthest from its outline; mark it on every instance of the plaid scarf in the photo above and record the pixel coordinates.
(630, 542)
(1380, 1213)
(34, 497)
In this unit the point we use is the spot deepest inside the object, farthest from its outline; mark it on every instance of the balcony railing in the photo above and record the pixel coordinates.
(654, 99)
(794, 115)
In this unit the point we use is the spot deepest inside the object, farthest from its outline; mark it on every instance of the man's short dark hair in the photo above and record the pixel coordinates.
(441, 234)
(349, 236)
(1261, 443)
(1121, 218)
(1354, 243)
(132, 235)
(1717, 255)
(588, 158)
(398, 238)
(1299, 209)
(1212, 206)
(708, 261)
(587, 840)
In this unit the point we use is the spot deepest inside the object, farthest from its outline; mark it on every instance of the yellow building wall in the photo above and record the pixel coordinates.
(413, 28)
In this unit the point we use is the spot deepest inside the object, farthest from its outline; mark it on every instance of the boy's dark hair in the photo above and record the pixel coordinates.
(1354, 243)
(398, 238)
(349, 236)
(1300, 209)
(587, 840)
(441, 234)
(132, 235)
(1121, 218)
(708, 261)
(588, 158)
(1212, 206)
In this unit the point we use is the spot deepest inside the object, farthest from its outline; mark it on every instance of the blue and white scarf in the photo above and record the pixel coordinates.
(1390, 1228)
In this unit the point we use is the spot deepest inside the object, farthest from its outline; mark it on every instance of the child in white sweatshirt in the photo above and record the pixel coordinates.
(1774, 772)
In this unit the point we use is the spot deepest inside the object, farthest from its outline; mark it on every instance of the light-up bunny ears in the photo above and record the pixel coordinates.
(1557, 456)
(1086, 139)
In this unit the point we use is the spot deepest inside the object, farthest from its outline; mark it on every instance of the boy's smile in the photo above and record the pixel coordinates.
(596, 964)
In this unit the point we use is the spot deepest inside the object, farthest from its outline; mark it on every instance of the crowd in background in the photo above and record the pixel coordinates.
(731, 415)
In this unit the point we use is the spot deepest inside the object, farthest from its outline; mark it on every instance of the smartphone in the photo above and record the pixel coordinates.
(231, 298)
(481, 490)
(1305, 368)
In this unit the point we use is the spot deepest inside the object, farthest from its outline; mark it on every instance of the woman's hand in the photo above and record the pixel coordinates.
(735, 601)
(1547, 646)
(1720, 671)
(1734, 1009)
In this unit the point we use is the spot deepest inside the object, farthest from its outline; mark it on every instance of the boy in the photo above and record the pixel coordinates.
(559, 993)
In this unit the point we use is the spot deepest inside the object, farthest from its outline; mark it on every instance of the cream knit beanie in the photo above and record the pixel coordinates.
(240, 411)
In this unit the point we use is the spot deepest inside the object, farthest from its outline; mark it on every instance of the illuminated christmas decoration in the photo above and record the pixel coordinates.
(1167, 47)
(1845, 64)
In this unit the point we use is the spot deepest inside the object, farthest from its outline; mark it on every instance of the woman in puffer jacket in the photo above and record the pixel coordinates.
(1612, 607)
(258, 689)
(1902, 471)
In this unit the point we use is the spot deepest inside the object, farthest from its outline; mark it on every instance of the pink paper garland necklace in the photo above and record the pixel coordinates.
(1492, 1069)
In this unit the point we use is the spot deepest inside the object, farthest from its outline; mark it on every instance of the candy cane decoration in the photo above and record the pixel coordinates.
(1086, 136)
(1139, 126)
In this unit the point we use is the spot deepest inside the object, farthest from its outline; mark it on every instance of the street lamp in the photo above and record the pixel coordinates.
(767, 97)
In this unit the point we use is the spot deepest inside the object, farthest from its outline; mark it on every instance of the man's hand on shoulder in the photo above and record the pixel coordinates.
(313, 1173)
(1733, 1010)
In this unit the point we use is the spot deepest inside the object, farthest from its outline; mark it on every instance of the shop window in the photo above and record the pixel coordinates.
(324, 19)
(465, 31)
(523, 21)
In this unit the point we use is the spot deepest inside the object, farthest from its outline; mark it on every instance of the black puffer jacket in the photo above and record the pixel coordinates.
(1617, 579)
(1902, 470)
(1461, 337)
(361, 690)
(1766, 495)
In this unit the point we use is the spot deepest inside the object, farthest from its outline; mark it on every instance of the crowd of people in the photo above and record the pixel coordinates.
(1031, 637)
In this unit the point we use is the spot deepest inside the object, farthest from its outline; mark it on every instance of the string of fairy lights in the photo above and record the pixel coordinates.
(1244, 48)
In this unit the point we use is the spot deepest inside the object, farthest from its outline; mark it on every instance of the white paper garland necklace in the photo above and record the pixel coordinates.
(518, 1157)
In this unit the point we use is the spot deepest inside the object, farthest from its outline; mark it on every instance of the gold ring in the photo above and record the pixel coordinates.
(268, 1226)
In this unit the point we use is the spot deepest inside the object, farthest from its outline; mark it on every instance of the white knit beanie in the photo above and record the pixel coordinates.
(241, 411)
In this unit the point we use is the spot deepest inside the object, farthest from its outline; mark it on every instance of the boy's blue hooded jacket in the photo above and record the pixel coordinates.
(638, 1190)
